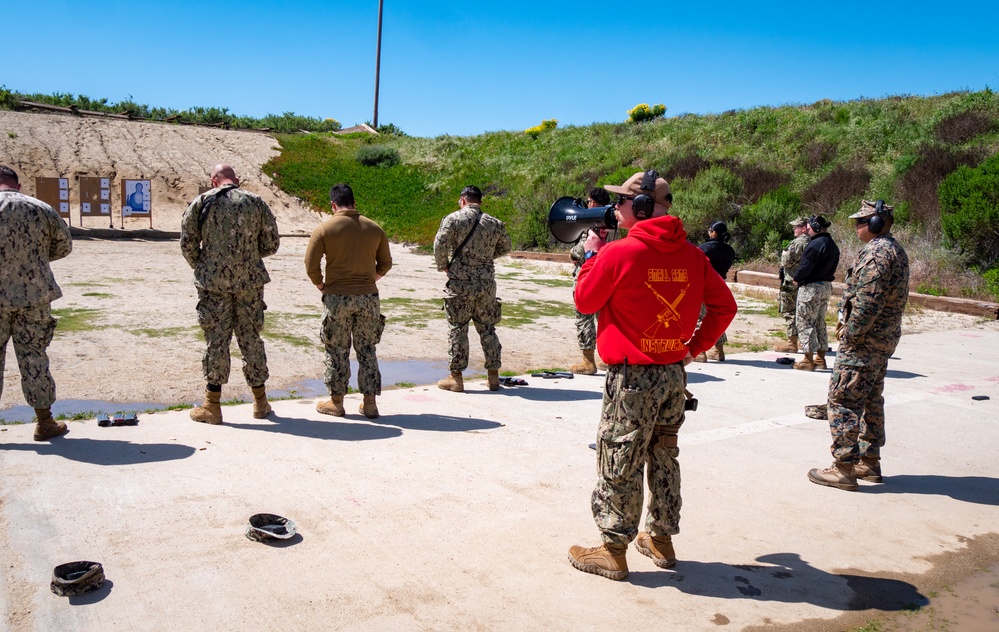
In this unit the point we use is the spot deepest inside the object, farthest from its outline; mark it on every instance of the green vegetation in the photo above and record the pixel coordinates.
(276, 322)
(756, 169)
(642, 112)
(166, 332)
(288, 123)
(75, 319)
(412, 312)
(526, 312)
(405, 384)
(98, 294)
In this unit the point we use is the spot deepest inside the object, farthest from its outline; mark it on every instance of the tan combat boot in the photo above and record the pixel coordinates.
(261, 407)
(718, 353)
(606, 560)
(808, 364)
(588, 366)
(701, 357)
(211, 411)
(368, 407)
(658, 547)
(601, 365)
(868, 470)
(492, 378)
(839, 475)
(332, 407)
(789, 346)
(47, 427)
(454, 383)
(820, 360)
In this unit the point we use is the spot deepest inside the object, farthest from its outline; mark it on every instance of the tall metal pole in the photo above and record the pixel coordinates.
(378, 61)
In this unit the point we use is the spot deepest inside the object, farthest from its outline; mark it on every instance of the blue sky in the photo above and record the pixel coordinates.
(460, 67)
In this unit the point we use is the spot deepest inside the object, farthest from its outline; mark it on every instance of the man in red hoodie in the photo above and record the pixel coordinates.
(648, 289)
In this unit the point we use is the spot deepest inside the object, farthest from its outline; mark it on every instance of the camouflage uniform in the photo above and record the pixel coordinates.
(810, 315)
(877, 289)
(788, 297)
(225, 247)
(586, 324)
(470, 293)
(31, 235)
(358, 317)
(643, 408)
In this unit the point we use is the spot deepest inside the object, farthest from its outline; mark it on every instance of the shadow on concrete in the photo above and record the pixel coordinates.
(106, 451)
(981, 490)
(757, 364)
(698, 378)
(539, 393)
(901, 375)
(435, 423)
(93, 596)
(785, 578)
(331, 430)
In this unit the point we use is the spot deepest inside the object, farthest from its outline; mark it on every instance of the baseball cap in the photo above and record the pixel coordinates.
(800, 221)
(633, 187)
(869, 209)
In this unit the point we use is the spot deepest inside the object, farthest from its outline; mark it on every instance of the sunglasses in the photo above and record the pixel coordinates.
(863, 221)
(621, 199)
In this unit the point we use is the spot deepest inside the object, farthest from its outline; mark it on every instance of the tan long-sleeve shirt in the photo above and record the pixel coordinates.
(356, 251)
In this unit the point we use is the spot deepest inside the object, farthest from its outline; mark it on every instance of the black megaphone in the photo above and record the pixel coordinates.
(568, 219)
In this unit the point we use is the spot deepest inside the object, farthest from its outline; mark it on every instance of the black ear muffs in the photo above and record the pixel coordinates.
(644, 204)
(877, 222)
(813, 221)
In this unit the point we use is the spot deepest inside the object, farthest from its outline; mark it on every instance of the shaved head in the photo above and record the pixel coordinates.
(224, 174)
(8, 177)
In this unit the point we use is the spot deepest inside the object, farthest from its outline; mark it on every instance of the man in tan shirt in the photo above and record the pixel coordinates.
(357, 255)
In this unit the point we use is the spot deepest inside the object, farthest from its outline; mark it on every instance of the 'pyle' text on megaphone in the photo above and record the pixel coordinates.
(568, 220)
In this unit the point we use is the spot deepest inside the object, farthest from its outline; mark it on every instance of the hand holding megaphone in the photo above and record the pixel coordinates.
(568, 219)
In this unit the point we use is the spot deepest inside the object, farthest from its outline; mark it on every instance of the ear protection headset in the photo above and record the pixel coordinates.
(877, 222)
(813, 221)
(643, 205)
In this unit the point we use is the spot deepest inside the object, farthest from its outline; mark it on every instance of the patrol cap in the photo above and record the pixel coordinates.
(265, 527)
(868, 209)
(800, 221)
(633, 187)
(77, 578)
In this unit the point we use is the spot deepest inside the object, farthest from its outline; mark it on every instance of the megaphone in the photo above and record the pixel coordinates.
(568, 219)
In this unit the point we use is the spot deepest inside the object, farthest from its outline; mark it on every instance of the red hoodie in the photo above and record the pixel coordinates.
(648, 288)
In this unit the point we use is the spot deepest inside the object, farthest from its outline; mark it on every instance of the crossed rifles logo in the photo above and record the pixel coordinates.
(667, 315)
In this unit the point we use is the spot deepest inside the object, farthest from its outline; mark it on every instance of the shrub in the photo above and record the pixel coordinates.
(377, 156)
(760, 229)
(969, 207)
(642, 112)
(958, 129)
(707, 199)
(545, 125)
(838, 186)
(919, 178)
(992, 281)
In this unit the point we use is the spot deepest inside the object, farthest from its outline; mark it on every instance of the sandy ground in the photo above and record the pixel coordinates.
(130, 333)
(176, 158)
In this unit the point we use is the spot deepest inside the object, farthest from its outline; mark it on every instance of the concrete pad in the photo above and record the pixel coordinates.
(456, 511)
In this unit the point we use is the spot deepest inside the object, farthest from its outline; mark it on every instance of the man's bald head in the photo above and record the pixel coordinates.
(223, 174)
(8, 178)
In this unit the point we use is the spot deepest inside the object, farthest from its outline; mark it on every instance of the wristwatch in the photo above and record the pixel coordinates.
(589, 254)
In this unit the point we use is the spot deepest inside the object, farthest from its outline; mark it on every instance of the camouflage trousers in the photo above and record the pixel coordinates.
(479, 305)
(810, 316)
(641, 415)
(586, 330)
(856, 406)
(221, 314)
(32, 329)
(586, 326)
(351, 320)
(787, 305)
(704, 312)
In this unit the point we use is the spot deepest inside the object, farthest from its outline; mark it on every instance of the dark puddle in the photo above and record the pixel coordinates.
(393, 373)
